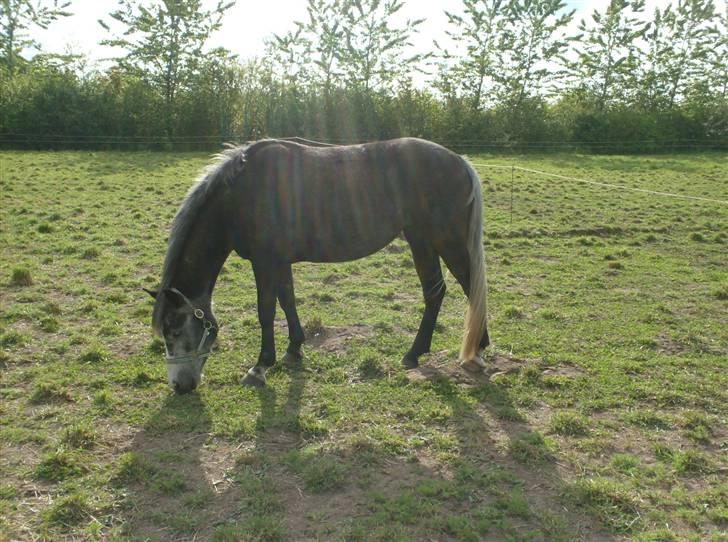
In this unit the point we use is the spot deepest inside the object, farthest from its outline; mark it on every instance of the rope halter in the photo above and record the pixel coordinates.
(200, 355)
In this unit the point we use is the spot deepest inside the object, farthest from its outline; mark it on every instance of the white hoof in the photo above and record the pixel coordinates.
(475, 365)
(290, 359)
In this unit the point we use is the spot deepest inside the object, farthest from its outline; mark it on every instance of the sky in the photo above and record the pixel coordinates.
(247, 24)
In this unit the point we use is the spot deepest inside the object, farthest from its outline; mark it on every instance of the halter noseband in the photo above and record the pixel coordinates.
(199, 354)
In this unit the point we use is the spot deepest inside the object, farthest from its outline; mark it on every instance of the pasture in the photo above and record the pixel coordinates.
(604, 415)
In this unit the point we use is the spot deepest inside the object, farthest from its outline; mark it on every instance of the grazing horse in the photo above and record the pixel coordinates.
(276, 202)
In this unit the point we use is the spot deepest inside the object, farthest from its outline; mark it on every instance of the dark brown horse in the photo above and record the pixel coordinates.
(276, 202)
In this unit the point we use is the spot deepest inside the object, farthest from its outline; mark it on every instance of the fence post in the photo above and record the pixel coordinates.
(512, 174)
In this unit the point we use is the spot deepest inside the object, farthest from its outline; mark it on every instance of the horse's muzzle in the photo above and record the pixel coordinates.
(184, 383)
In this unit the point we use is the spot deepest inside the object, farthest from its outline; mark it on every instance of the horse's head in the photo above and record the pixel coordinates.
(189, 330)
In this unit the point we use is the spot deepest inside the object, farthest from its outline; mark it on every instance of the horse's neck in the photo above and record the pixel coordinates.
(205, 251)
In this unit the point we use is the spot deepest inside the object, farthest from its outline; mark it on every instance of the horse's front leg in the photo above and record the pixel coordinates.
(267, 277)
(287, 299)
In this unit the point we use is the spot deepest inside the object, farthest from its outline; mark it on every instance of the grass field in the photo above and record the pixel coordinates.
(604, 415)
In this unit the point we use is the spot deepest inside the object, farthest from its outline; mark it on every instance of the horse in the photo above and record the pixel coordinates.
(276, 202)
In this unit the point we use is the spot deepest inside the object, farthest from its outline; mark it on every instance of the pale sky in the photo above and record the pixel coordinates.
(247, 24)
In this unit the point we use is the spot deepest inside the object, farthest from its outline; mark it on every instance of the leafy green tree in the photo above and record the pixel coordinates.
(350, 42)
(679, 42)
(17, 17)
(534, 41)
(479, 34)
(164, 42)
(607, 51)
(376, 53)
(309, 55)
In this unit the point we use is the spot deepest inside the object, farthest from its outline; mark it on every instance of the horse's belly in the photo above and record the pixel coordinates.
(346, 243)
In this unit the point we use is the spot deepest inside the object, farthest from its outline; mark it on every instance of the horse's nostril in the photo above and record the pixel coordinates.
(184, 383)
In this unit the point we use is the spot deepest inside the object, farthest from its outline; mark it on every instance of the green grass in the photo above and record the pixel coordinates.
(606, 418)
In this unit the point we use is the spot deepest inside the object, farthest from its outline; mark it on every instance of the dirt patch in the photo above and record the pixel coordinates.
(567, 371)
(335, 339)
(498, 365)
(668, 346)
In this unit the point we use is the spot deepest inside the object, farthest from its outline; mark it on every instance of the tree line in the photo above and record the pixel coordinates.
(512, 75)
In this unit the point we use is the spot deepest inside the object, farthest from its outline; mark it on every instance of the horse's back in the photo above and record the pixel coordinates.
(344, 202)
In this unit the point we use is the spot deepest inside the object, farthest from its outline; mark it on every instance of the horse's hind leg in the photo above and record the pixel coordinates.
(427, 263)
(457, 260)
(287, 299)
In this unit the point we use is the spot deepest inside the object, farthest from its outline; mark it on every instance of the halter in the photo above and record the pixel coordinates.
(183, 359)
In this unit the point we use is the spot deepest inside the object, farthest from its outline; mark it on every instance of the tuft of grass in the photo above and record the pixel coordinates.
(93, 354)
(648, 419)
(21, 277)
(370, 367)
(48, 324)
(611, 502)
(49, 392)
(697, 427)
(45, 228)
(169, 483)
(79, 435)
(314, 326)
(514, 313)
(569, 423)
(320, 473)
(8, 492)
(67, 511)
(514, 504)
(59, 465)
(102, 398)
(624, 462)
(529, 448)
(721, 293)
(691, 462)
(132, 467)
(90, 254)
(12, 338)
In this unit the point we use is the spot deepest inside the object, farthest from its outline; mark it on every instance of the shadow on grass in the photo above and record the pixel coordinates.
(180, 483)
(290, 482)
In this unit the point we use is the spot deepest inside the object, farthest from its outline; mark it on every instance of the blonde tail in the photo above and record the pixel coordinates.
(476, 320)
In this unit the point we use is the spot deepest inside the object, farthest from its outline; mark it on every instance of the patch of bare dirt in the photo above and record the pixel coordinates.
(666, 345)
(335, 339)
(497, 365)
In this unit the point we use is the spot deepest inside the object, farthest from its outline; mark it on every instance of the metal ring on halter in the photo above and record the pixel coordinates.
(199, 355)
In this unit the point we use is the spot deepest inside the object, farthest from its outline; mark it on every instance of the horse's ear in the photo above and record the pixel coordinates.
(174, 297)
(152, 293)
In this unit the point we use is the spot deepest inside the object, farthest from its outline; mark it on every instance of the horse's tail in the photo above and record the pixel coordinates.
(476, 321)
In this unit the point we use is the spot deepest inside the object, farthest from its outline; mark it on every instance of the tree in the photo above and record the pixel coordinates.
(308, 55)
(17, 17)
(534, 41)
(479, 34)
(608, 53)
(348, 41)
(679, 42)
(375, 53)
(164, 42)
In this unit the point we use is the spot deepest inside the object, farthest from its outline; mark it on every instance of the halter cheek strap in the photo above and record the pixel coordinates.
(200, 354)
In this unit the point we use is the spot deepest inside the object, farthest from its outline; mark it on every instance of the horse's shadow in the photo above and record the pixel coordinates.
(191, 486)
(178, 482)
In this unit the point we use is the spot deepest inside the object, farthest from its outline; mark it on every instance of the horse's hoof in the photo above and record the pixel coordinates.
(254, 379)
(410, 362)
(291, 359)
(475, 365)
